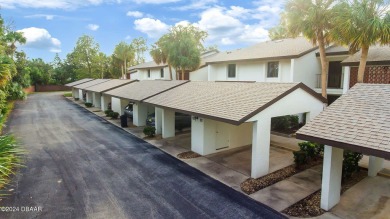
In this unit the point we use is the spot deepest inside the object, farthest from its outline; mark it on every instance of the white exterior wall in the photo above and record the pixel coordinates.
(250, 71)
(142, 74)
(118, 105)
(199, 75)
(80, 94)
(75, 92)
(207, 135)
(105, 99)
(306, 69)
(96, 98)
(89, 97)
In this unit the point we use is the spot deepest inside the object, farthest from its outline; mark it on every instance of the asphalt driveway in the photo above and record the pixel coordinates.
(80, 166)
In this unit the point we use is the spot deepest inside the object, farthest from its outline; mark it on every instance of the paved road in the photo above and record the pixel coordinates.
(79, 166)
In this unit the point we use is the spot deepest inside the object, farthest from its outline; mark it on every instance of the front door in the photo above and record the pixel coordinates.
(334, 74)
(222, 137)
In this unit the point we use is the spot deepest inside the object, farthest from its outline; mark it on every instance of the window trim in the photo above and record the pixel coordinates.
(235, 70)
(277, 72)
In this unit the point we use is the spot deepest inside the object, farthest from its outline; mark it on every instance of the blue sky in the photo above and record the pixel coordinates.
(53, 26)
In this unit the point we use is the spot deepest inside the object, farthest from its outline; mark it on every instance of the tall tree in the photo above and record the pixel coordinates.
(312, 19)
(159, 52)
(186, 44)
(361, 24)
(140, 47)
(11, 38)
(280, 31)
(126, 53)
(85, 54)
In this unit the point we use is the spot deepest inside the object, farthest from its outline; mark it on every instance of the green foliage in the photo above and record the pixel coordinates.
(125, 53)
(114, 115)
(308, 151)
(68, 95)
(284, 123)
(350, 163)
(15, 91)
(88, 104)
(108, 112)
(149, 131)
(85, 57)
(10, 158)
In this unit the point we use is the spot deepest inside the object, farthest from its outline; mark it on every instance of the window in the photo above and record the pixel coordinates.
(273, 70)
(162, 73)
(231, 70)
(148, 73)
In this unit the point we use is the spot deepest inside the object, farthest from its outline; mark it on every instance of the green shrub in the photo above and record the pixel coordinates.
(351, 163)
(114, 115)
(76, 99)
(149, 131)
(307, 151)
(300, 158)
(68, 95)
(108, 112)
(10, 158)
(88, 104)
(283, 123)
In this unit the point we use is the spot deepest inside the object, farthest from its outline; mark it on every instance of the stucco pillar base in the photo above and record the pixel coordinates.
(168, 123)
(375, 164)
(260, 147)
(158, 120)
(331, 177)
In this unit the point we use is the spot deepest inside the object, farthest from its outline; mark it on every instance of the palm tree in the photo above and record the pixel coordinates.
(159, 52)
(124, 52)
(312, 20)
(360, 24)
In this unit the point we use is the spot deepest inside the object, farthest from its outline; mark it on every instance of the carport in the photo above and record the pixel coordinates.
(82, 88)
(136, 93)
(75, 91)
(100, 100)
(227, 115)
(358, 121)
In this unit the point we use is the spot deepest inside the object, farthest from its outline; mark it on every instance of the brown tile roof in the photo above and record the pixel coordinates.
(358, 120)
(108, 85)
(72, 84)
(276, 49)
(231, 102)
(91, 83)
(140, 90)
(377, 55)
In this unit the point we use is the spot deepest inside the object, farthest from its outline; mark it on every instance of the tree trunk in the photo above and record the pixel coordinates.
(362, 64)
(125, 71)
(182, 74)
(170, 71)
(122, 70)
(324, 65)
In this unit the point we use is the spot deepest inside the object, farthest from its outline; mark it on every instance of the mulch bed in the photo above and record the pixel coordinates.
(310, 206)
(251, 185)
(188, 155)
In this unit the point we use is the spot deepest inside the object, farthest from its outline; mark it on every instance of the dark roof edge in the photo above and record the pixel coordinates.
(356, 148)
(129, 82)
(78, 83)
(165, 90)
(387, 62)
(85, 88)
(334, 53)
(300, 85)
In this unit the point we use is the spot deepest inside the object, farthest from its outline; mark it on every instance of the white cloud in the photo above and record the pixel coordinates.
(183, 23)
(39, 38)
(55, 4)
(45, 16)
(238, 12)
(155, 1)
(152, 27)
(197, 5)
(93, 27)
(136, 14)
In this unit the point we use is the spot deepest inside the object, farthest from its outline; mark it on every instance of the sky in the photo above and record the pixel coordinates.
(53, 26)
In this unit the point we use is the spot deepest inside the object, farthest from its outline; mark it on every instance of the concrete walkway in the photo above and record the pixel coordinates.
(291, 190)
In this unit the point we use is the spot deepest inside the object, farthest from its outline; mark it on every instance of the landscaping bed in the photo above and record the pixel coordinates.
(310, 206)
(251, 185)
(188, 155)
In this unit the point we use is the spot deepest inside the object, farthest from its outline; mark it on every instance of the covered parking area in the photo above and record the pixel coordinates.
(228, 115)
(136, 93)
(75, 91)
(100, 100)
(82, 89)
(358, 121)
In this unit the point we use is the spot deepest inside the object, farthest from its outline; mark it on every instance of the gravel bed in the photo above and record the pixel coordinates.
(188, 155)
(310, 206)
(251, 185)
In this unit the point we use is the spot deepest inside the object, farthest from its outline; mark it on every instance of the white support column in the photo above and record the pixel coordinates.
(105, 99)
(89, 97)
(346, 78)
(140, 113)
(75, 92)
(81, 94)
(168, 123)
(158, 120)
(331, 177)
(260, 147)
(375, 164)
(96, 99)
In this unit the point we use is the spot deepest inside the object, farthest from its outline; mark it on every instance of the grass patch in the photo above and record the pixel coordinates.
(68, 94)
